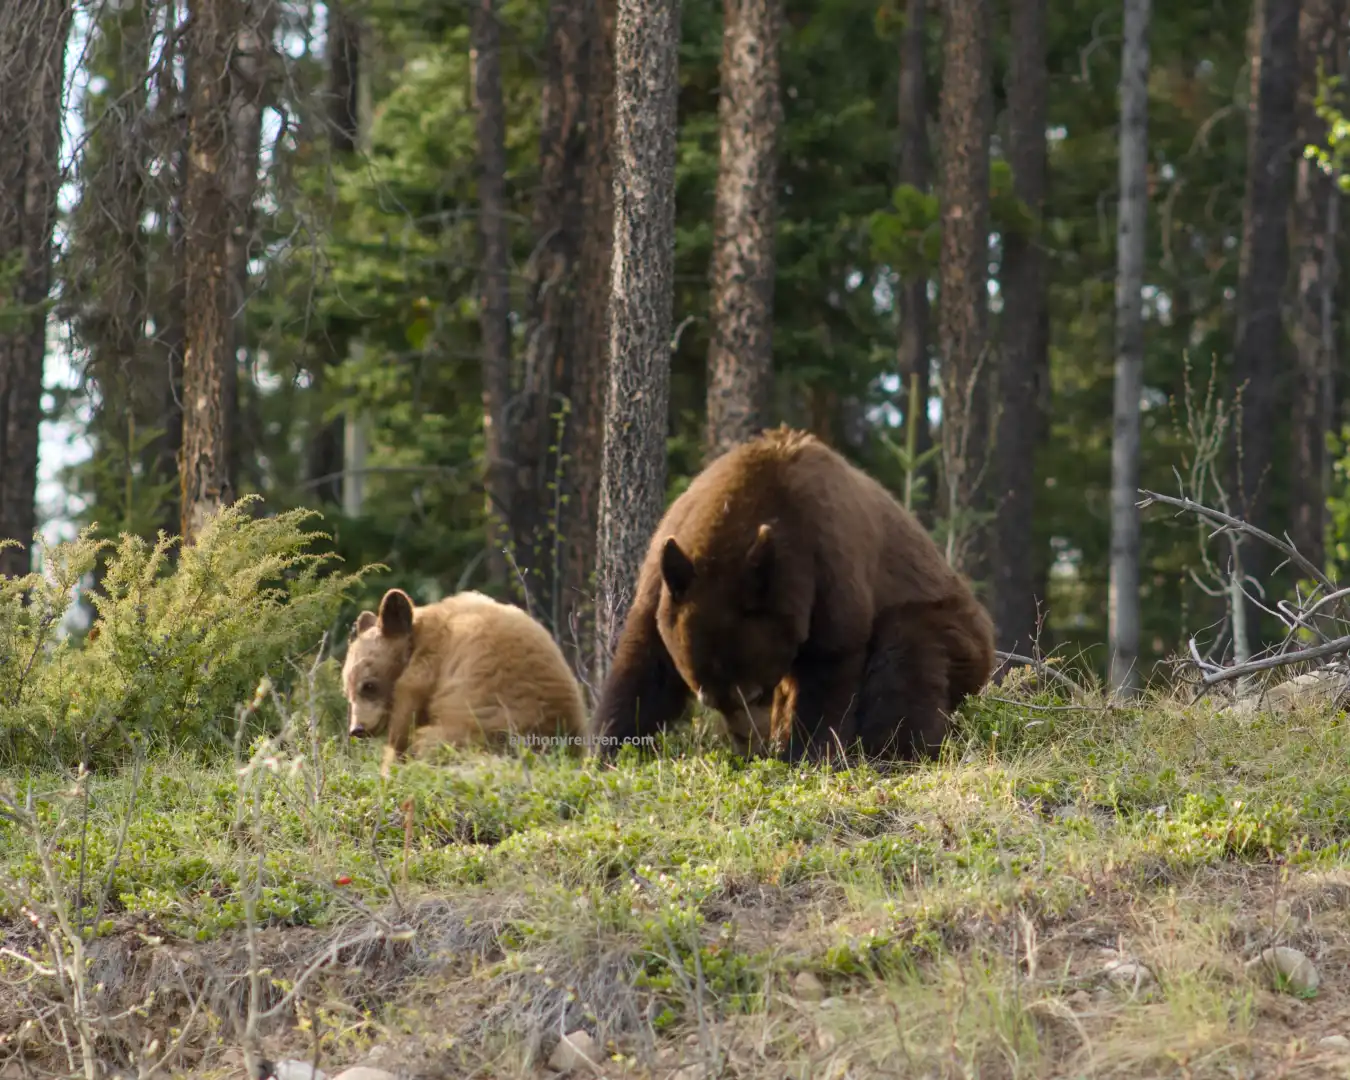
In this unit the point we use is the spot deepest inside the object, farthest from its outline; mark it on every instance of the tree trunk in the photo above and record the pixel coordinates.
(1316, 225)
(105, 288)
(249, 92)
(963, 303)
(324, 459)
(494, 301)
(1123, 599)
(1264, 264)
(207, 360)
(168, 294)
(32, 67)
(551, 353)
(1024, 360)
(633, 475)
(750, 113)
(584, 435)
(916, 170)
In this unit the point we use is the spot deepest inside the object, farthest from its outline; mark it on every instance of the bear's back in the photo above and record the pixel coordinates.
(825, 509)
(495, 656)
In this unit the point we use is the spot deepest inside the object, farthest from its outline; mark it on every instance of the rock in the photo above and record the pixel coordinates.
(1339, 1043)
(1292, 969)
(576, 1049)
(825, 1040)
(1080, 999)
(807, 987)
(689, 1072)
(1129, 973)
(296, 1070)
(364, 1072)
(1314, 688)
(1103, 996)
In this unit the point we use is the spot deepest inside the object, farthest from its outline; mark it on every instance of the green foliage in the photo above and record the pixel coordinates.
(1338, 504)
(907, 237)
(173, 650)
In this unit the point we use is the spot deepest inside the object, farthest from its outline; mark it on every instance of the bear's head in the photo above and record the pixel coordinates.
(378, 652)
(730, 633)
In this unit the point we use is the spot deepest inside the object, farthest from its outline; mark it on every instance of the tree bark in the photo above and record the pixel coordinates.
(633, 475)
(33, 37)
(916, 170)
(494, 300)
(539, 438)
(104, 296)
(1316, 229)
(1264, 264)
(1123, 596)
(250, 88)
(324, 459)
(207, 360)
(750, 114)
(963, 303)
(584, 435)
(1025, 361)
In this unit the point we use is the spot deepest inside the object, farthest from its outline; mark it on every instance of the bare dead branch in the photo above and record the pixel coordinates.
(1228, 522)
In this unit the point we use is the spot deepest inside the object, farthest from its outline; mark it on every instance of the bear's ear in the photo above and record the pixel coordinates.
(396, 613)
(361, 624)
(676, 567)
(759, 564)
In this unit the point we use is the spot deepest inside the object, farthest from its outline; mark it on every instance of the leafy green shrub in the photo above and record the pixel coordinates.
(173, 650)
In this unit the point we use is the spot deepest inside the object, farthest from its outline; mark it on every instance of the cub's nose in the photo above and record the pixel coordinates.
(357, 731)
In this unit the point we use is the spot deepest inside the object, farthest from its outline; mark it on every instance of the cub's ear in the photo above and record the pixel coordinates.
(676, 567)
(396, 614)
(759, 563)
(361, 624)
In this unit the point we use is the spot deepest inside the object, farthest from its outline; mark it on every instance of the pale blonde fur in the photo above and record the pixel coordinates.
(471, 669)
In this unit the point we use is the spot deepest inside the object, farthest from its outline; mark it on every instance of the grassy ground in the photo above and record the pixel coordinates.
(702, 916)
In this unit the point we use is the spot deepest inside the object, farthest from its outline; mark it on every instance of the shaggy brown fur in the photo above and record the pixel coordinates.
(785, 575)
(466, 669)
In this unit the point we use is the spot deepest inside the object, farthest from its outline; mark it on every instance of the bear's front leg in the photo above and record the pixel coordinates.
(904, 701)
(410, 699)
(815, 711)
(644, 693)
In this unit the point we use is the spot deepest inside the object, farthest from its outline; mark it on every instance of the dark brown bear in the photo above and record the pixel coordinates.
(786, 578)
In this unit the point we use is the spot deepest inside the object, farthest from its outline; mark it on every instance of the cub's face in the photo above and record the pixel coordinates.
(377, 654)
(729, 642)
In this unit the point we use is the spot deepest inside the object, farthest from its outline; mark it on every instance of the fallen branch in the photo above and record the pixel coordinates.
(1317, 652)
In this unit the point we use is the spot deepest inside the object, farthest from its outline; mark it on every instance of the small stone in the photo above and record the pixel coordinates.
(576, 1049)
(1080, 999)
(689, 1072)
(1126, 972)
(364, 1072)
(826, 1040)
(297, 1070)
(807, 987)
(1291, 968)
(1339, 1043)
(1103, 996)
(832, 1003)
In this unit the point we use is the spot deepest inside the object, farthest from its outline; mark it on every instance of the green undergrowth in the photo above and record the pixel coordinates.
(647, 848)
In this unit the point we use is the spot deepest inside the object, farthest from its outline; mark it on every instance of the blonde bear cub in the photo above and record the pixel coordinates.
(467, 669)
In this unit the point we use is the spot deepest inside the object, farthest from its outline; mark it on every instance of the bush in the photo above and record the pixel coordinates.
(173, 650)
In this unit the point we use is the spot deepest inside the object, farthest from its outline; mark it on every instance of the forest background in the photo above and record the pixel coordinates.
(405, 322)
